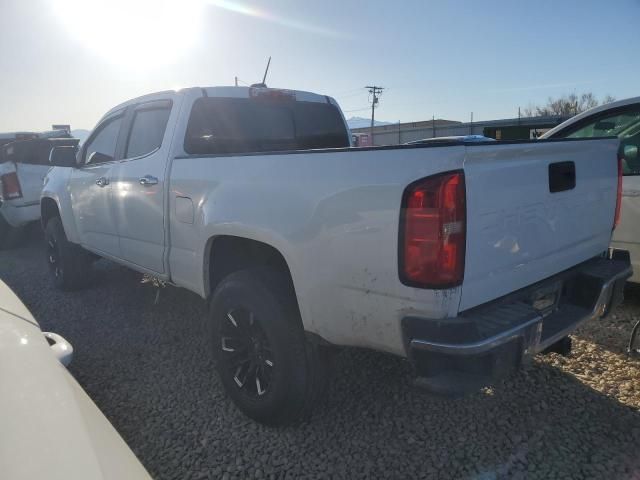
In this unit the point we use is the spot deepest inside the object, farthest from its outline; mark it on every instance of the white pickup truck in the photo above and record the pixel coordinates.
(467, 259)
(24, 162)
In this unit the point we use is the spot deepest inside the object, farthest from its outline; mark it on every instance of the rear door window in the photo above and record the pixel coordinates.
(147, 129)
(240, 125)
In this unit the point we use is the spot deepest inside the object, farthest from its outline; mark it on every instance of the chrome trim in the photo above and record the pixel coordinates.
(599, 309)
(476, 347)
(148, 180)
(529, 330)
(102, 182)
(62, 349)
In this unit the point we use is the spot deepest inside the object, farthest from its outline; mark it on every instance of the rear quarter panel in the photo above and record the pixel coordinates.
(31, 180)
(23, 210)
(333, 216)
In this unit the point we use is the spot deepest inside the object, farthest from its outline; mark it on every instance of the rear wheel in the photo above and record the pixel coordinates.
(10, 236)
(266, 365)
(68, 262)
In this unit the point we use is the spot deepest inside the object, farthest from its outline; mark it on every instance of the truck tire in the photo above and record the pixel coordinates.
(10, 236)
(68, 263)
(266, 365)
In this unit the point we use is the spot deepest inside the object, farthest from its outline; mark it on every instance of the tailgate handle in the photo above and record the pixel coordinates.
(562, 176)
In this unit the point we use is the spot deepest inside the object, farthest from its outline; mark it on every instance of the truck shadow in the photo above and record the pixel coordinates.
(539, 420)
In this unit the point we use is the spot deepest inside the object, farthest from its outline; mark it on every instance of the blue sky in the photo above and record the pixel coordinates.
(66, 61)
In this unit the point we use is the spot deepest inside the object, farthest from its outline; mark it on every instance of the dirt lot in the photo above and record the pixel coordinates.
(148, 368)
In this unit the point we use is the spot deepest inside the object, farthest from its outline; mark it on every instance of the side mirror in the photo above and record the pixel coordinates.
(97, 157)
(63, 156)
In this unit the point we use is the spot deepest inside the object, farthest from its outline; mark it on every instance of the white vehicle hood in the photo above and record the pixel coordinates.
(50, 427)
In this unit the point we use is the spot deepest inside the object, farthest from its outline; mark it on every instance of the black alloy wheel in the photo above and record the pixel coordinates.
(246, 352)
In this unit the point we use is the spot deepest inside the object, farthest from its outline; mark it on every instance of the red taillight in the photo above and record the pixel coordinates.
(10, 186)
(271, 94)
(433, 232)
(616, 218)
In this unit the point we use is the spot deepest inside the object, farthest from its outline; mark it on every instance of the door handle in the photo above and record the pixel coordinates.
(102, 182)
(148, 180)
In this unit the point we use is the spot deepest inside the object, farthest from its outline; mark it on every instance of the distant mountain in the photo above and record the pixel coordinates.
(80, 134)
(360, 122)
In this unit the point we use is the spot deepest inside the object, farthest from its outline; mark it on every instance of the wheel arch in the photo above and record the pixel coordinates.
(48, 210)
(53, 206)
(225, 254)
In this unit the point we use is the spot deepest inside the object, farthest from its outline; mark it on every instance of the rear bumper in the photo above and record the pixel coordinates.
(455, 355)
(634, 252)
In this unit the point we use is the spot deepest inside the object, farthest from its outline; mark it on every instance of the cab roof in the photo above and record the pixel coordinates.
(229, 92)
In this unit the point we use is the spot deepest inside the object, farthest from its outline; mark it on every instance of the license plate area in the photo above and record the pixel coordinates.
(546, 300)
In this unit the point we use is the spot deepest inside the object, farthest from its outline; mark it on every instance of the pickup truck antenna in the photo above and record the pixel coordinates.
(264, 78)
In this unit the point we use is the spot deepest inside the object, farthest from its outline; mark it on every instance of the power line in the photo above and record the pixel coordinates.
(375, 92)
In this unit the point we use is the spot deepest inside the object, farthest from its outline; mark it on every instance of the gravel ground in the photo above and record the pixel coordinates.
(148, 368)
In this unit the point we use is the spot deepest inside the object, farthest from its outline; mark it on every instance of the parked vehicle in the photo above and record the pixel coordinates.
(50, 427)
(23, 166)
(621, 119)
(467, 259)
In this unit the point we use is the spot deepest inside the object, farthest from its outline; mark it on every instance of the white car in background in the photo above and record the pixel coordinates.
(622, 119)
(50, 427)
(24, 162)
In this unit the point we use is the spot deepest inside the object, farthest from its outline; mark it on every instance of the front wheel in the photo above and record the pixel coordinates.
(265, 364)
(68, 262)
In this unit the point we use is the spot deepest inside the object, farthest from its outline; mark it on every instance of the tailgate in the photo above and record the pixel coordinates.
(519, 231)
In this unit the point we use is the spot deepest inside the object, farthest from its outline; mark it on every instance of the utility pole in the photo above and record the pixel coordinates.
(375, 92)
(471, 125)
(433, 126)
(236, 81)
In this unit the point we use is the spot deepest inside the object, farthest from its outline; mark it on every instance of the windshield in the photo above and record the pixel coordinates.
(617, 125)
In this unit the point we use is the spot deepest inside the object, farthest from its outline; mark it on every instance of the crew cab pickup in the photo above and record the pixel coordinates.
(465, 258)
(24, 162)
